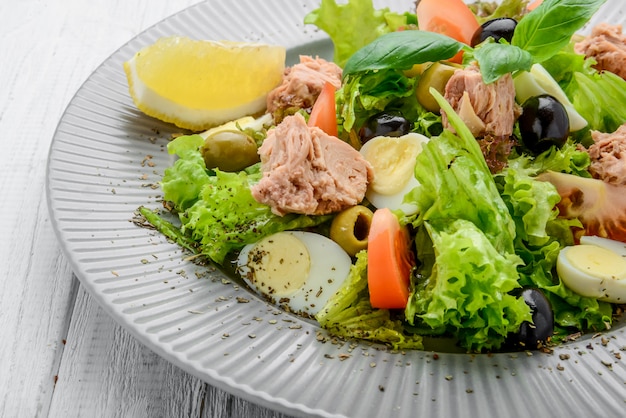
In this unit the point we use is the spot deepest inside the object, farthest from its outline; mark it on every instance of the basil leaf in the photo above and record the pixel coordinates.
(401, 50)
(548, 28)
(496, 60)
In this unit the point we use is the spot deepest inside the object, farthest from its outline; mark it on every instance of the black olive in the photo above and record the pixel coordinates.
(543, 123)
(500, 28)
(385, 124)
(532, 336)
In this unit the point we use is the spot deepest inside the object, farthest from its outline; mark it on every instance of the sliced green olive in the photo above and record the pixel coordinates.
(416, 70)
(351, 227)
(229, 151)
(436, 75)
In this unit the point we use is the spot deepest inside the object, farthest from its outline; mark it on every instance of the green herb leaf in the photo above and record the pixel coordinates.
(547, 29)
(349, 313)
(401, 50)
(168, 229)
(496, 60)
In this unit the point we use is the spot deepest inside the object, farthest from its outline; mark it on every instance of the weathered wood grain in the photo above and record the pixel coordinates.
(60, 354)
(108, 373)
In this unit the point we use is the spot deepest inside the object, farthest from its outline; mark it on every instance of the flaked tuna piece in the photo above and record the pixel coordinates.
(301, 85)
(487, 109)
(607, 45)
(309, 172)
(608, 156)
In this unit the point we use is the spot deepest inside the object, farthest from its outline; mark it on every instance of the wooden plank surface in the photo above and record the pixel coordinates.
(104, 370)
(61, 354)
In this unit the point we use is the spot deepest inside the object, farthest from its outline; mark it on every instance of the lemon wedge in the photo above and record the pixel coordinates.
(200, 84)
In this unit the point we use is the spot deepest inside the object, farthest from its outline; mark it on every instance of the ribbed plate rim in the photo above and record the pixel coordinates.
(337, 380)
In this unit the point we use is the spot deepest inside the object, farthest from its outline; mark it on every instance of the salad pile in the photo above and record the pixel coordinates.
(472, 251)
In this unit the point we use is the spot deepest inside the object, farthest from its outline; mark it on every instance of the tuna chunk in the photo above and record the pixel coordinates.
(308, 172)
(607, 45)
(302, 84)
(487, 109)
(608, 156)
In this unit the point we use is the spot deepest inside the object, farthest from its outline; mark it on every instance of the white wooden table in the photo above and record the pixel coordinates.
(61, 355)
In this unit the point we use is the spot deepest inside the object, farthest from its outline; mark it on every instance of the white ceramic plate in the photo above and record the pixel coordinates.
(105, 159)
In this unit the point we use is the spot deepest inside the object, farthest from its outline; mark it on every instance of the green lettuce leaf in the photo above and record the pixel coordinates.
(353, 25)
(365, 94)
(348, 314)
(541, 234)
(455, 183)
(218, 210)
(531, 202)
(488, 10)
(598, 97)
(226, 217)
(470, 265)
(571, 311)
(468, 290)
(183, 181)
(565, 63)
(567, 159)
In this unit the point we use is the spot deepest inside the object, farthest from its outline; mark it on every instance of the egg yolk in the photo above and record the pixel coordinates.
(393, 162)
(280, 264)
(597, 261)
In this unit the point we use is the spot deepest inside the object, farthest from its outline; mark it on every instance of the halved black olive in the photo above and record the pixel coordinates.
(385, 124)
(543, 123)
(500, 28)
(535, 335)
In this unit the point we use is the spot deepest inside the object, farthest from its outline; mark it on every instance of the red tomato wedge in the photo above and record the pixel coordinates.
(323, 114)
(448, 17)
(533, 5)
(390, 261)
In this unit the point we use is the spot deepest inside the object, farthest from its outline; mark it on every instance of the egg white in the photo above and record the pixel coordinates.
(393, 163)
(595, 268)
(296, 270)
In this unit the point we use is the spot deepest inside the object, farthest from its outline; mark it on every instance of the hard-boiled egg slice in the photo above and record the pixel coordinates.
(393, 163)
(595, 268)
(299, 271)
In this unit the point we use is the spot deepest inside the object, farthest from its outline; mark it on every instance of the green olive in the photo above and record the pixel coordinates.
(229, 151)
(416, 70)
(436, 75)
(351, 227)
